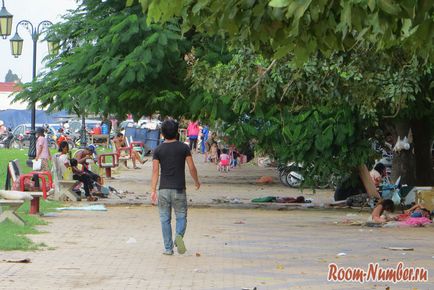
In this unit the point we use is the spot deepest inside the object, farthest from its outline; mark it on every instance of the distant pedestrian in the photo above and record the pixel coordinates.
(172, 155)
(3, 129)
(208, 144)
(193, 134)
(205, 132)
(106, 125)
(234, 154)
(114, 122)
(42, 151)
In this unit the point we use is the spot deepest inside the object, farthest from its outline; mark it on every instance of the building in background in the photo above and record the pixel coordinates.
(7, 91)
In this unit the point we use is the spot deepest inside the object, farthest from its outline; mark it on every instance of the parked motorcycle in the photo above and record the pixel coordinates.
(60, 137)
(291, 175)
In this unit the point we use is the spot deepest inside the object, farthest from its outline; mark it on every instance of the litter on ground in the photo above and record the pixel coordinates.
(94, 207)
(399, 248)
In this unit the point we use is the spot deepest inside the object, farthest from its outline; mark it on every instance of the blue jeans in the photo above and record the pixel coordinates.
(168, 198)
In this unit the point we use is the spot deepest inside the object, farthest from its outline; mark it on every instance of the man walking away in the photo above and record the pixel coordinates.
(172, 156)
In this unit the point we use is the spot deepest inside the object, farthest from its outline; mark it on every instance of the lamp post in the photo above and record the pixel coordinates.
(5, 22)
(17, 48)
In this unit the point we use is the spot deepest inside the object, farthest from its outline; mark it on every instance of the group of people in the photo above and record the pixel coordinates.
(79, 165)
(224, 158)
(354, 194)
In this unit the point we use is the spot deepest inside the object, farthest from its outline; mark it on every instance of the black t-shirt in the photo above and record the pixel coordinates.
(172, 162)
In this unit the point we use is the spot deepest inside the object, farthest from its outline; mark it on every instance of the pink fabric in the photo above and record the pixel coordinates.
(193, 129)
(224, 159)
(416, 222)
(224, 163)
(42, 141)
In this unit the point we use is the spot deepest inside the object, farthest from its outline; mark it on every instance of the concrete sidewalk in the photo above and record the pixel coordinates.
(227, 249)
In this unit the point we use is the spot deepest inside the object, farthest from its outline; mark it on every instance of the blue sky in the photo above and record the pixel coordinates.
(35, 11)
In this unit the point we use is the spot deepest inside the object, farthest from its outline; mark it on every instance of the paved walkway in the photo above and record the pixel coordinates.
(227, 249)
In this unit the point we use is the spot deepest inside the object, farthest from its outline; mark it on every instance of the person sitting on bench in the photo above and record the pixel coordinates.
(135, 156)
(84, 177)
(82, 156)
(63, 158)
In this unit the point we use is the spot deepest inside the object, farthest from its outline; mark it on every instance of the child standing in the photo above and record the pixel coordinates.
(224, 161)
(213, 154)
(234, 154)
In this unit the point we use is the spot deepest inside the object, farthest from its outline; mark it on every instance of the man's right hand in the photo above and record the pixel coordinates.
(154, 197)
(197, 184)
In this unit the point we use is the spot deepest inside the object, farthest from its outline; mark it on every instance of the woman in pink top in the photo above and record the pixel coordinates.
(42, 151)
(193, 134)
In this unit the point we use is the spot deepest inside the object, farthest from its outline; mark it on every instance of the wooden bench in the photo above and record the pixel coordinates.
(10, 212)
(63, 189)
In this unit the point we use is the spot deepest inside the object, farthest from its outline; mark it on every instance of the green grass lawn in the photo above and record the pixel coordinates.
(7, 155)
(12, 236)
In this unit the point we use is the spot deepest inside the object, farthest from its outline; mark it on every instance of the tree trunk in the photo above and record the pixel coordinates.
(422, 150)
(403, 164)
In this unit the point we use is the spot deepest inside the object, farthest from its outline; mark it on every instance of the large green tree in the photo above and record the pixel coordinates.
(111, 60)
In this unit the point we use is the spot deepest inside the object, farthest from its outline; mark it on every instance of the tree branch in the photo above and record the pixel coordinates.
(258, 82)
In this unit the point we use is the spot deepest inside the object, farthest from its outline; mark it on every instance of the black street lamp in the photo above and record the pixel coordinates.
(83, 139)
(5, 22)
(17, 49)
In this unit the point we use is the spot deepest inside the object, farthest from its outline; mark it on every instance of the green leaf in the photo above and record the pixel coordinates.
(346, 13)
(199, 6)
(279, 3)
(372, 4)
(389, 6)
